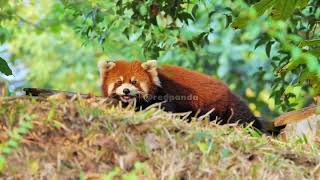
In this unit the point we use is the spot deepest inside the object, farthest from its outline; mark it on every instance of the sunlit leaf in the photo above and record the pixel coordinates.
(2, 162)
(6, 150)
(203, 147)
(260, 8)
(13, 143)
(161, 21)
(313, 42)
(312, 63)
(283, 9)
(302, 3)
(263, 5)
(294, 63)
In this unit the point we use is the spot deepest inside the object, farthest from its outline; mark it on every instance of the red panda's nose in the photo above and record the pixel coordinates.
(126, 91)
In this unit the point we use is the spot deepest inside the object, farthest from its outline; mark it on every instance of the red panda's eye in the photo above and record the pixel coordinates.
(133, 82)
(119, 82)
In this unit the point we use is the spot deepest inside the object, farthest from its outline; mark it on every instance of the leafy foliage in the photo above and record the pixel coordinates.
(188, 26)
(5, 14)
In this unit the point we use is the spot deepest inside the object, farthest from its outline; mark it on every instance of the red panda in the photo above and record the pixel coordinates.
(183, 90)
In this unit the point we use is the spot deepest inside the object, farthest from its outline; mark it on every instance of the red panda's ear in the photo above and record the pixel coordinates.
(151, 67)
(105, 66)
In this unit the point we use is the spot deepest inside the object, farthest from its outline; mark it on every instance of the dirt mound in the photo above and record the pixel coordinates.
(59, 138)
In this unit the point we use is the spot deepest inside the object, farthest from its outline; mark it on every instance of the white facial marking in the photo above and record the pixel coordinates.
(144, 87)
(131, 96)
(110, 88)
(156, 80)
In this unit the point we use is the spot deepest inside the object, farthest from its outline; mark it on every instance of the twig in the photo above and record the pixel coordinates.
(294, 116)
(48, 92)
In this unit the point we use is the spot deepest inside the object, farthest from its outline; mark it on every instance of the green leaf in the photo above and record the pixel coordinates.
(293, 64)
(302, 3)
(268, 48)
(260, 7)
(143, 10)
(283, 9)
(3, 3)
(4, 68)
(184, 16)
(130, 176)
(26, 124)
(111, 174)
(6, 150)
(315, 52)
(261, 41)
(239, 22)
(22, 130)
(161, 22)
(194, 10)
(2, 162)
(295, 52)
(263, 5)
(15, 135)
(312, 63)
(313, 42)
(225, 153)
(13, 143)
(305, 75)
(228, 20)
(203, 147)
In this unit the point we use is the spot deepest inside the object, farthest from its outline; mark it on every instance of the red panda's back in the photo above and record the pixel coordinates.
(209, 94)
(181, 81)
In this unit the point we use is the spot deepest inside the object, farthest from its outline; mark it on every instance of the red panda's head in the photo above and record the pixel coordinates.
(129, 81)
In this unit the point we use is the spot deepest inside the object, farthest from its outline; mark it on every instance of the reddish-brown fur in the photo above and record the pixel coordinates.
(210, 93)
(179, 82)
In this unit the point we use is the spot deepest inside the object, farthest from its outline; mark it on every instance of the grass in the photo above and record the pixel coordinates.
(90, 139)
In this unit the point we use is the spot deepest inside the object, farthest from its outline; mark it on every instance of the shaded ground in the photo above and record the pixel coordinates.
(68, 139)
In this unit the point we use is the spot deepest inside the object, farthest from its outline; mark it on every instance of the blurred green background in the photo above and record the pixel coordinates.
(266, 51)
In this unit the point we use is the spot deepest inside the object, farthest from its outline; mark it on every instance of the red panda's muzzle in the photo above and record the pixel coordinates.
(127, 98)
(128, 93)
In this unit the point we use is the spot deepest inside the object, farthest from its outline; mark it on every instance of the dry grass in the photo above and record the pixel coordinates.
(89, 139)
